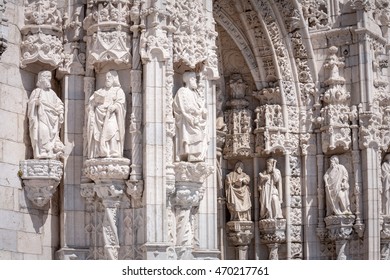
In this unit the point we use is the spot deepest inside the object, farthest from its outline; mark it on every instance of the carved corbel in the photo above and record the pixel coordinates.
(41, 179)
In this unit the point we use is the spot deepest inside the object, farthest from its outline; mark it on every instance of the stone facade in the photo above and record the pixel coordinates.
(194, 129)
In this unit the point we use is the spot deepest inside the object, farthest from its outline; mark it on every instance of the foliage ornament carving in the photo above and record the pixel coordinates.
(315, 13)
(240, 234)
(272, 233)
(42, 33)
(194, 35)
(108, 29)
(340, 229)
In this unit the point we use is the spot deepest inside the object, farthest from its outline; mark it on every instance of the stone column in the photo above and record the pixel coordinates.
(189, 191)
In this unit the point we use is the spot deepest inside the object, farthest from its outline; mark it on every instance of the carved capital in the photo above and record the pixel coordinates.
(272, 230)
(40, 179)
(100, 169)
(192, 172)
(340, 227)
(239, 233)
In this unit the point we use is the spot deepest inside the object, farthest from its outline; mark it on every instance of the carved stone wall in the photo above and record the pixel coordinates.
(295, 83)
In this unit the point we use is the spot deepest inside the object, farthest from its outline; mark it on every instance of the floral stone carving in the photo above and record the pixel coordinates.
(42, 34)
(107, 169)
(40, 179)
(108, 29)
(272, 233)
(240, 234)
(340, 229)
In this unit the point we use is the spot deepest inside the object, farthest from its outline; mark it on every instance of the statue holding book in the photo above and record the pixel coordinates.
(106, 119)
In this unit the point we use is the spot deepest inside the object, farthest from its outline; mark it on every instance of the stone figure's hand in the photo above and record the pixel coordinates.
(111, 108)
(61, 118)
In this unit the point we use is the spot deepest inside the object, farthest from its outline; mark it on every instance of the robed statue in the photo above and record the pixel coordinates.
(45, 114)
(191, 120)
(238, 196)
(386, 185)
(271, 192)
(106, 119)
(337, 188)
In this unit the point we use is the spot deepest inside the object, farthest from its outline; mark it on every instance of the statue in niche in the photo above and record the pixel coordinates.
(106, 119)
(238, 196)
(386, 185)
(191, 120)
(45, 114)
(337, 188)
(271, 193)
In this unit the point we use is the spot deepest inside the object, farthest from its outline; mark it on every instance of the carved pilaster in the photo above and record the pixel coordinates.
(189, 192)
(40, 179)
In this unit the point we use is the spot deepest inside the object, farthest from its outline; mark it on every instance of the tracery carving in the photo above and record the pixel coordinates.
(335, 114)
(108, 28)
(239, 139)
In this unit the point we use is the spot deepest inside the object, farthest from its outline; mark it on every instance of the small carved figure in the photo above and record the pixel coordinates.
(106, 119)
(337, 188)
(238, 196)
(45, 114)
(191, 120)
(386, 185)
(271, 193)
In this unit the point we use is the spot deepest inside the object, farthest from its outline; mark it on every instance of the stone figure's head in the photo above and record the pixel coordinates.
(271, 163)
(44, 80)
(239, 167)
(334, 160)
(112, 79)
(189, 78)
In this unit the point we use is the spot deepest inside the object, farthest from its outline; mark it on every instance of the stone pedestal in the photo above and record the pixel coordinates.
(239, 234)
(109, 176)
(189, 192)
(385, 238)
(272, 233)
(340, 229)
(40, 179)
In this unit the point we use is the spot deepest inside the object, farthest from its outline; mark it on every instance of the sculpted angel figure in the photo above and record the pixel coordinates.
(238, 196)
(191, 120)
(106, 119)
(337, 188)
(45, 114)
(271, 193)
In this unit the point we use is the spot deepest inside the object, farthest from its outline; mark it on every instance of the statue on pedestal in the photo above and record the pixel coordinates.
(271, 193)
(337, 188)
(238, 196)
(45, 114)
(191, 120)
(106, 119)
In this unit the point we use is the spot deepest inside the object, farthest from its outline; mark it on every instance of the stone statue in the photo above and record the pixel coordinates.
(191, 119)
(337, 188)
(386, 185)
(271, 193)
(238, 196)
(45, 114)
(106, 119)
